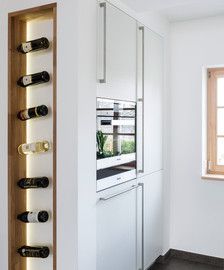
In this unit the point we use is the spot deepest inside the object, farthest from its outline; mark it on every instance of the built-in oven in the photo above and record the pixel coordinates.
(116, 142)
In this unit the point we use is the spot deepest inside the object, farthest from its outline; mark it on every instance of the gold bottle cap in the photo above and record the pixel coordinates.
(46, 145)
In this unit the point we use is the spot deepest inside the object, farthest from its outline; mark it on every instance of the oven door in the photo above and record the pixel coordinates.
(116, 142)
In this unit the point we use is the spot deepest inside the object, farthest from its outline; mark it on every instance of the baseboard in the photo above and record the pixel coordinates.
(164, 258)
(189, 256)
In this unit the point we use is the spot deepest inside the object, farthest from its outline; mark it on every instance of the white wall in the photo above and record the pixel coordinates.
(197, 216)
(75, 131)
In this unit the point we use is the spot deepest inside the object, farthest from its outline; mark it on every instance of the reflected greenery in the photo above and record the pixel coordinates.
(104, 146)
(127, 147)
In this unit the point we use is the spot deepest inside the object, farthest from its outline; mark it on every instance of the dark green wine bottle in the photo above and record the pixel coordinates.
(32, 79)
(35, 182)
(34, 45)
(34, 112)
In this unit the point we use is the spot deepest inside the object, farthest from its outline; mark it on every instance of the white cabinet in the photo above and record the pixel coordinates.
(153, 217)
(116, 228)
(116, 54)
(150, 101)
(119, 224)
(120, 218)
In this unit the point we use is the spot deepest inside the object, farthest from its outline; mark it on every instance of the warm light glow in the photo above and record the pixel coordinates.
(28, 231)
(40, 130)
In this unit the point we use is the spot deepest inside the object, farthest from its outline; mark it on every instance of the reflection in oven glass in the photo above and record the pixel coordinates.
(115, 137)
(115, 128)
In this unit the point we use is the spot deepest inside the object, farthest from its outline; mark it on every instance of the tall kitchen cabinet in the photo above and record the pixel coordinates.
(117, 206)
(150, 101)
(130, 215)
(116, 54)
(150, 140)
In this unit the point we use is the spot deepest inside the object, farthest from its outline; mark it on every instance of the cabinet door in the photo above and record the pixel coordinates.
(116, 54)
(153, 217)
(150, 97)
(116, 230)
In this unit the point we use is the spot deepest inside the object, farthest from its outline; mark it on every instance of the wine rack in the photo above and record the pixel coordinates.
(24, 26)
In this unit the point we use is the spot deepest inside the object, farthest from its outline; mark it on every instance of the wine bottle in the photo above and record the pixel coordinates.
(33, 148)
(33, 112)
(36, 252)
(34, 45)
(36, 78)
(33, 217)
(36, 182)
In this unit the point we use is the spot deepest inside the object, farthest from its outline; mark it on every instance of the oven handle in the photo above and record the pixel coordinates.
(119, 193)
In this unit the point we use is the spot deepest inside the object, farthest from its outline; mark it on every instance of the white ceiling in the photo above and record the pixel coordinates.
(177, 10)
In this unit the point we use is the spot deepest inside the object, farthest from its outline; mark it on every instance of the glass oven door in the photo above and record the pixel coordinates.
(116, 142)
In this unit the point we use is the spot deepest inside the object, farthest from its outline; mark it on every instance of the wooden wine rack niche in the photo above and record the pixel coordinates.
(25, 26)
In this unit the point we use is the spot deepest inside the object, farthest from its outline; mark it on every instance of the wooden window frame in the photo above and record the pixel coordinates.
(212, 166)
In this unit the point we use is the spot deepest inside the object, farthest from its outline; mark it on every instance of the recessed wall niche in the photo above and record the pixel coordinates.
(40, 130)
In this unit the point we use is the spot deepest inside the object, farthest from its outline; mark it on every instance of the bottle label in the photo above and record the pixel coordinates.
(29, 252)
(27, 47)
(32, 217)
(28, 182)
(36, 112)
(23, 252)
(29, 147)
(27, 80)
(36, 252)
(24, 115)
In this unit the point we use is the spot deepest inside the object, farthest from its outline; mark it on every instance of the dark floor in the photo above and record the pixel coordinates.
(179, 264)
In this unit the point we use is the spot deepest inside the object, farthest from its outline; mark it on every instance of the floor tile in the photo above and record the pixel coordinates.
(178, 264)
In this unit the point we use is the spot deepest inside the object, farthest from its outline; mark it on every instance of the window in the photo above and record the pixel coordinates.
(215, 99)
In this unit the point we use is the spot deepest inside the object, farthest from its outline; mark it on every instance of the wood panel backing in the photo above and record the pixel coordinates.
(16, 136)
(40, 13)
